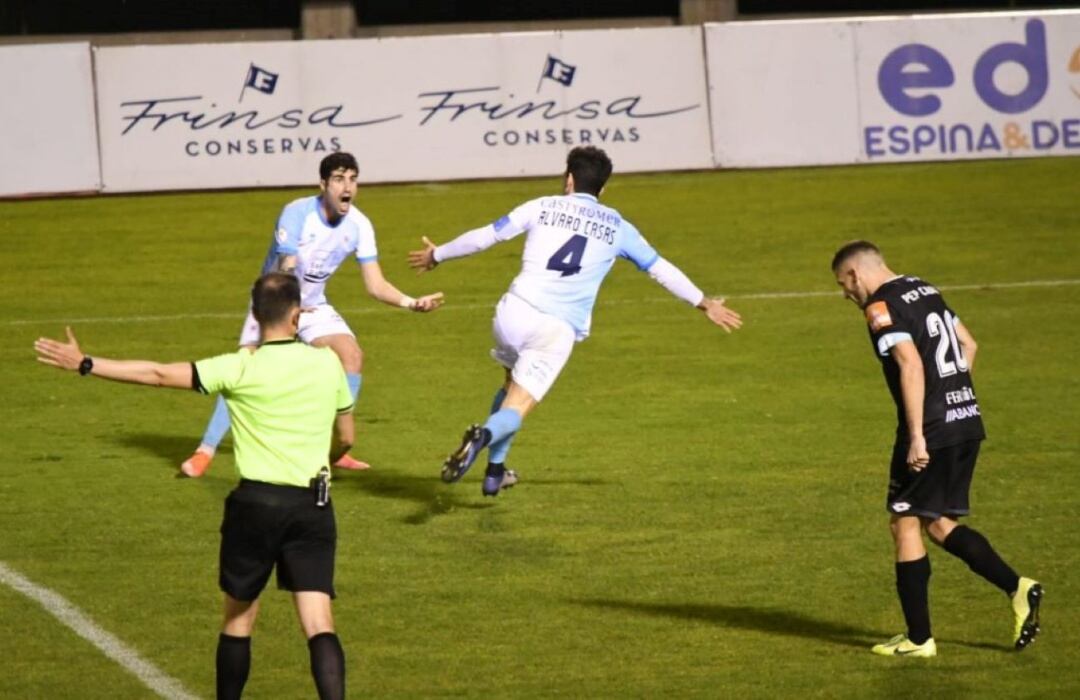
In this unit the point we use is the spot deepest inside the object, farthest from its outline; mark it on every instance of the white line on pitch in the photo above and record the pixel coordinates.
(472, 307)
(59, 607)
(944, 287)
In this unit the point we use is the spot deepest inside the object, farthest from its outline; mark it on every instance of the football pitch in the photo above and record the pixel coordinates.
(699, 515)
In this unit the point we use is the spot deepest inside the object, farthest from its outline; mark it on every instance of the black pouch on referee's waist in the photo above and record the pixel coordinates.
(321, 486)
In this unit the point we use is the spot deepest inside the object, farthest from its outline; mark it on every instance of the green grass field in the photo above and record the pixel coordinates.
(700, 515)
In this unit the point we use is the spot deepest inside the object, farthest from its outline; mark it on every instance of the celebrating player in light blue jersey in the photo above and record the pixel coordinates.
(312, 238)
(571, 243)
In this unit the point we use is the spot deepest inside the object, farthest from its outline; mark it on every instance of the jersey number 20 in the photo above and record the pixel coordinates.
(945, 330)
(567, 259)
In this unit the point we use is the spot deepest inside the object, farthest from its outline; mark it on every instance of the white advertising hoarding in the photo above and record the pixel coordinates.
(782, 93)
(48, 137)
(895, 89)
(431, 108)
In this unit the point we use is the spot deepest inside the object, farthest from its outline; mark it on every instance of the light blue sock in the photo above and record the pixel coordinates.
(503, 424)
(354, 384)
(219, 425)
(497, 451)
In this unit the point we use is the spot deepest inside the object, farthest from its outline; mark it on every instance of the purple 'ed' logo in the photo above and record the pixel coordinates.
(895, 78)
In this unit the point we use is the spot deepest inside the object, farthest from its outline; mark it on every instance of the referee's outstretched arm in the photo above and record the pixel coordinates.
(177, 375)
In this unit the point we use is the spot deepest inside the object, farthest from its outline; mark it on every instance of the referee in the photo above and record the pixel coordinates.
(291, 413)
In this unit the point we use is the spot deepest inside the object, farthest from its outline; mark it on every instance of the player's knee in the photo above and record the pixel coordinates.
(903, 528)
(352, 357)
(316, 616)
(239, 617)
(939, 528)
(320, 625)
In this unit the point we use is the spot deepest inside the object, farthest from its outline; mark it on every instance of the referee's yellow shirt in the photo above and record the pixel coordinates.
(283, 399)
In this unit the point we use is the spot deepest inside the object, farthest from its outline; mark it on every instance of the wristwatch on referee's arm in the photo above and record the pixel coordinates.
(86, 366)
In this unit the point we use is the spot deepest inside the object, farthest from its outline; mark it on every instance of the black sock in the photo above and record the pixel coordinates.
(233, 664)
(486, 439)
(975, 551)
(912, 585)
(495, 469)
(328, 666)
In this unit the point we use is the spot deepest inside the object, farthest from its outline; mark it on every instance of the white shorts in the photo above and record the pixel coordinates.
(317, 323)
(533, 345)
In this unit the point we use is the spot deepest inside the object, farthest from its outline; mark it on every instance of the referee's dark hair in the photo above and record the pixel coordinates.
(853, 248)
(590, 167)
(332, 162)
(274, 297)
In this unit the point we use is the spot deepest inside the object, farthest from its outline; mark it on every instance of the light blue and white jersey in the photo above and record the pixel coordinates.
(572, 242)
(302, 230)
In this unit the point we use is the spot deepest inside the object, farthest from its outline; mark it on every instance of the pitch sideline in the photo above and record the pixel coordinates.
(472, 307)
(59, 607)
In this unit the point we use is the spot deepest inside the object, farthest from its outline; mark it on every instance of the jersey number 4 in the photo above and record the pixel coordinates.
(945, 330)
(567, 259)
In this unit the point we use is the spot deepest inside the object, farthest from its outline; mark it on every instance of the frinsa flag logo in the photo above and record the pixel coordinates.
(218, 130)
(918, 81)
(554, 115)
(259, 79)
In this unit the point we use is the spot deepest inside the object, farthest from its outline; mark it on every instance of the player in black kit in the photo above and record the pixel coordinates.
(927, 355)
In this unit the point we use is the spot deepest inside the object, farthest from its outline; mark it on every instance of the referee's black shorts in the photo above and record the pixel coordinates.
(267, 525)
(941, 488)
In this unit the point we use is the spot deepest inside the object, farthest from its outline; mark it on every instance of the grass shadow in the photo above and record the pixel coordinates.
(170, 449)
(776, 621)
(564, 482)
(434, 497)
(771, 621)
(1000, 648)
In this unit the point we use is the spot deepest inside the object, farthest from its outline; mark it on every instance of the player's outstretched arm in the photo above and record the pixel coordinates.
(726, 318)
(380, 288)
(69, 356)
(675, 281)
(466, 244)
(424, 259)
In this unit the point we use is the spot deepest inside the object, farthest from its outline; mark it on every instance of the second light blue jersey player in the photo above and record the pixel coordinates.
(572, 241)
(313, 247)
(312, 237)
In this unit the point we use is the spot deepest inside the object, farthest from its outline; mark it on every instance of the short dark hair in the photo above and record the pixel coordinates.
(850, 249)
(590, 167)
(337, 160)
(274, 296)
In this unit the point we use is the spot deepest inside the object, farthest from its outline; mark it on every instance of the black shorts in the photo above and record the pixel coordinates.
(266, 524)
(939, 489)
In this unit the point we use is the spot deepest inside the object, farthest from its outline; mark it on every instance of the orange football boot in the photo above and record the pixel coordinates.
(197, 464)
